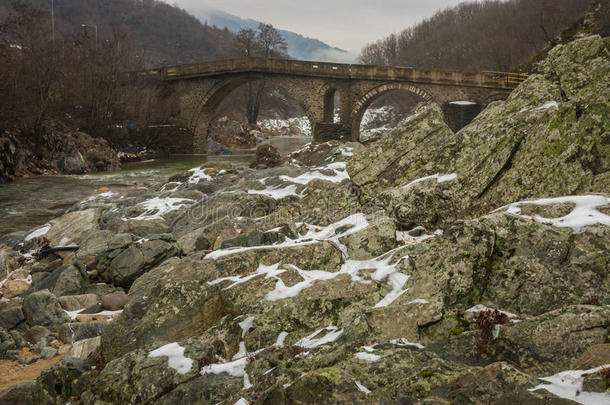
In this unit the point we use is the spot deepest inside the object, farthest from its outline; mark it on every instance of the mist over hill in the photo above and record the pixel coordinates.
(299, 46)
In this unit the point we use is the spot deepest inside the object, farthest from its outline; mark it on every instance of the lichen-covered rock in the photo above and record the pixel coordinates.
(74, 227)
(11, 314)
(169, 303)
(420, 146)
(69, 279)
(41, 308)
(378, 238)
(134, 261)
(554, 126)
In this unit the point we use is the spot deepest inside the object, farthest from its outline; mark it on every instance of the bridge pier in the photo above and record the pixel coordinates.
(459, 114)
(328, 131)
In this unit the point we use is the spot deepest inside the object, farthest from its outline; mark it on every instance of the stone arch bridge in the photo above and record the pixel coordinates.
(203, 86)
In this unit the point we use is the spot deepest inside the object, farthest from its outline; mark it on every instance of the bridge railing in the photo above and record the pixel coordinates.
(341, 70)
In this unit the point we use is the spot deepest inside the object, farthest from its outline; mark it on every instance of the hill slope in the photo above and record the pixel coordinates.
(167, 34)
(491, 35)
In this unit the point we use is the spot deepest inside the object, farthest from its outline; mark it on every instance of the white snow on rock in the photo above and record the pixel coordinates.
(462, 103)
(245, 325)
(440, 178)
(301, 124)
(315, 234)
(397, 281)
(236, 368)
(568, 384)
(310, 342)
(551, 104)
(38, 232)
(362, 387)
(406, 237)
(384, 265)
(156, 207)
(335, 173)
(278, 192)
(175, 357)
(367, 356)
(585, 212)
(418, 301)
(75, 313)
(199, 174)
(280, 339)
(337, 168)
(107, 194)
(404, 342)
(241, 401)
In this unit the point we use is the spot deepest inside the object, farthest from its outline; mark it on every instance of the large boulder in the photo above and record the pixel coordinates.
(42, 308)
(552, 126)
(419, 146)
(11, 314)
(169, 303)
(68, 279)
(134, 261)
(73, 227)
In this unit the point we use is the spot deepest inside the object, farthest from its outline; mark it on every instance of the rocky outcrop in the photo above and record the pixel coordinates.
(395, 285)
(421, 145)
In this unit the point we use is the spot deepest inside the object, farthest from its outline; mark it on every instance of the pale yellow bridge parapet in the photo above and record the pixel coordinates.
(500, 80)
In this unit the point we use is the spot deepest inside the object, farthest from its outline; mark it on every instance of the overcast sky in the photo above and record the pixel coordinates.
(347, 24)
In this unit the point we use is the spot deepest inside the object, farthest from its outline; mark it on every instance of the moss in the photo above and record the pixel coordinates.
(332, 373)
(427, 373)
(457, 330)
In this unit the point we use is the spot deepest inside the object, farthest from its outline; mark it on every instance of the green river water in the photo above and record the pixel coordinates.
(31, 202)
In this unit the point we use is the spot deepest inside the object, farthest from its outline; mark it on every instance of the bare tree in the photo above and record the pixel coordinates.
(266, 41)
(271, 41)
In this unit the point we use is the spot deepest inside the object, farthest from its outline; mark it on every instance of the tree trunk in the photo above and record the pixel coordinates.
(255, 94)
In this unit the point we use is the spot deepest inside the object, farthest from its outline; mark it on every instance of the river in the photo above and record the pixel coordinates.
(31, 202)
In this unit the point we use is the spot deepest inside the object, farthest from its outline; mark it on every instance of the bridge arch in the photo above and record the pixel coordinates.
(494, 97)
(210, 100)
(365, 101)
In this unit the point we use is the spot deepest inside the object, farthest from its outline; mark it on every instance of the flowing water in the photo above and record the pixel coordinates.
(30, 202)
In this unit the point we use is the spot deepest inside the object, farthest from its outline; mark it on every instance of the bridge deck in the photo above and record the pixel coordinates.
(499, 80)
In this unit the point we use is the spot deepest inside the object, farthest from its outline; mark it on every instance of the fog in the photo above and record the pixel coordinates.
(347, 24)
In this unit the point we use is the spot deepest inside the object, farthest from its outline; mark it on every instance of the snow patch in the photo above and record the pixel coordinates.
(245, 325)
(175, 357)
(310, 342)
(277, 192)
(402, 342)
(568, 384)
(314, 235)
(552, 104)
(156, 207)
(462, 103)
(280, 339)
(367, 356)
(585, 212)
(38, 232)
(362, 387)
(440, 178)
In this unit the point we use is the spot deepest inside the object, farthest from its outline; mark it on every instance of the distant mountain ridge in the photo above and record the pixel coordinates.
(299, 46)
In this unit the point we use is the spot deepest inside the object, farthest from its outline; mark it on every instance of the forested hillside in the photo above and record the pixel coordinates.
(167, 34)
(488, 35)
